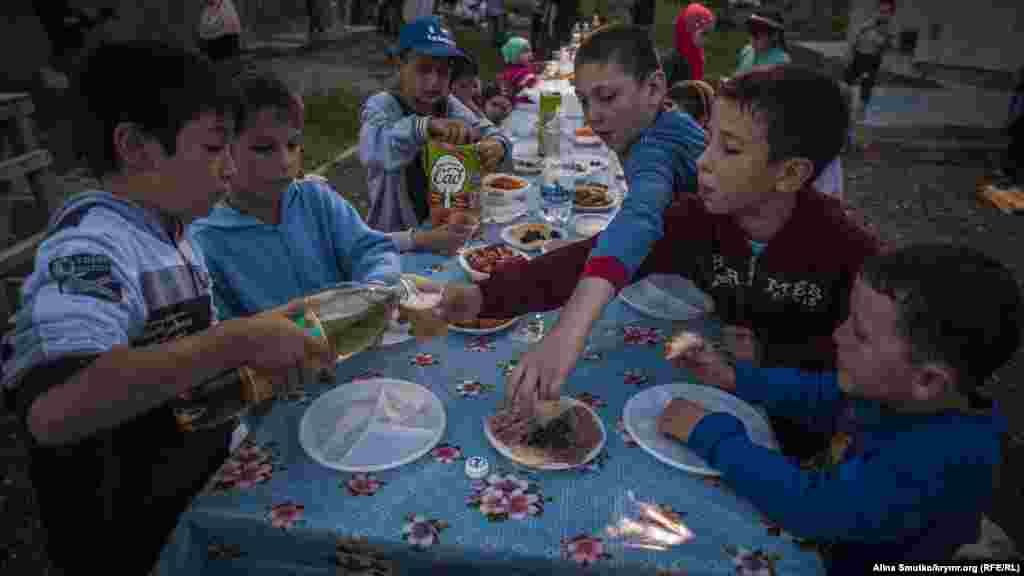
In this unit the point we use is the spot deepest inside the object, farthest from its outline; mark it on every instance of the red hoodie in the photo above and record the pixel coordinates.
(792, 296)
(684, 39)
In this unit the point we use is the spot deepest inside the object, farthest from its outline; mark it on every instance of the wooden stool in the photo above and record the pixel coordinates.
(25, 177)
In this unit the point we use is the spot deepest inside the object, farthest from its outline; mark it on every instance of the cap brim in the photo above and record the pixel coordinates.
(439, 51)
(764, 22)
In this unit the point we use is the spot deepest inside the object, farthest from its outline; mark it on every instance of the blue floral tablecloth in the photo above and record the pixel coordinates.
(272, 510)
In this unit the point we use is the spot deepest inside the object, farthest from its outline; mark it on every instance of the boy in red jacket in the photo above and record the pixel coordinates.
(777, 257)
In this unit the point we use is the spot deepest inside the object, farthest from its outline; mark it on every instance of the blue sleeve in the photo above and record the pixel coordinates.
(225, 303)
(883, 497)
(388, 140)
(651, 173)
(82, 298)
(368, 254)
(811, 398)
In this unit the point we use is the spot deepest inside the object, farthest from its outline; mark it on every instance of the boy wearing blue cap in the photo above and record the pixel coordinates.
(396, 127)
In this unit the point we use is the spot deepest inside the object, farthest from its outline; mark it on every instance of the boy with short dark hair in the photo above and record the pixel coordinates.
(466, 84)
(497, 104)
(396, 127)
(910, 469)
(274, 239)
(117, 320)
(777, 257)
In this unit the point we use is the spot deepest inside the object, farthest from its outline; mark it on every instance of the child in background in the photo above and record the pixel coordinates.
(910, 468)
(497, 104)
(519, 73)
(466, 84)
(396, 126)
(274, 238)
(220, 31)
(693, 97)
(767, 42)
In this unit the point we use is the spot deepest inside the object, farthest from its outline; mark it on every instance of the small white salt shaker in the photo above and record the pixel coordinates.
(476, 467)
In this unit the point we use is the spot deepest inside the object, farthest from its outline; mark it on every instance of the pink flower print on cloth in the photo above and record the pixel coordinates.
(480, 344)
(506, 497)
(584, 550)
(363, 485)
(634, 377)
(446, 453)
(424, 359)
(752, 562)
(641, 335)
(627, 438)
(285, 515)
(248, 466)
(472, 388)
(421, 532)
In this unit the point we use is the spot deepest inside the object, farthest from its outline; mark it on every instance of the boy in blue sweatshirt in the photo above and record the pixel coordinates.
(273, 239)
(910, 467)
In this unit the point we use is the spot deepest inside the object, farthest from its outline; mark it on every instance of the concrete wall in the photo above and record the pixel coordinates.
(985, 35)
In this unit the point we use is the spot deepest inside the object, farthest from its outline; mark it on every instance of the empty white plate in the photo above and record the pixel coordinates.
(667, 297)
(372, 425)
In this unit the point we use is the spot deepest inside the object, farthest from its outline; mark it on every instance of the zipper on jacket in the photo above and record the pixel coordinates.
(752, 269)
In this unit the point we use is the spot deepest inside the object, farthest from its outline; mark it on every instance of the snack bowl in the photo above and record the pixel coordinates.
(467, 256)
(530, 236)
(500, 189)
(590, 225)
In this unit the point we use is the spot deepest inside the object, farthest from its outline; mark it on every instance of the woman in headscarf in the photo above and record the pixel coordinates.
(767, 42)
(687, 63)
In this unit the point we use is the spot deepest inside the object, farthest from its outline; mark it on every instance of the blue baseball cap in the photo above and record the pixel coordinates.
(428, 36)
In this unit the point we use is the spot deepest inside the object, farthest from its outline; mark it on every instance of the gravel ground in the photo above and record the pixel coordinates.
(906, 195)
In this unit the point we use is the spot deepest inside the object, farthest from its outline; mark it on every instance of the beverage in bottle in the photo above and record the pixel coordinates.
(556, 193)
(550, 106)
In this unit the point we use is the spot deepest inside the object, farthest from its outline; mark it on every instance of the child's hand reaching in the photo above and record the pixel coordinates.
(689, 351)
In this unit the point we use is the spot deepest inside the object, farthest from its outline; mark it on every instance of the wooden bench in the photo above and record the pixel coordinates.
(26, 177)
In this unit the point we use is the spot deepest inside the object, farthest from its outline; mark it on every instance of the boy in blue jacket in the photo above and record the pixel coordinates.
(273, 239)
(911, 465)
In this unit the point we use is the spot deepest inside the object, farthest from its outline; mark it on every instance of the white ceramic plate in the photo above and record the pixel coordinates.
(616, 199)
(533, 165)
(640, 417)
(595, 162)
(497, 216)
(667, 297)
(504, 450)
(483, 331)
(474, 274)
(597, 221)
(510, 234)
(372, 425)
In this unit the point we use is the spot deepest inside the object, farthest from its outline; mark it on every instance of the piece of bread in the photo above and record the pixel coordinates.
(681, 344)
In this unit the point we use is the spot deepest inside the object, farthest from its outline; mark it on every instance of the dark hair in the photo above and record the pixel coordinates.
(158, 87)
(628, 46)
(261, 89)
(956, 306)
(688, 97)
(490, 90)
(778, 34)
(803, 112)
(464, 67)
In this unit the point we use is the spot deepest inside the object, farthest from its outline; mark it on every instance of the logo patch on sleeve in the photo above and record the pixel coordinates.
(87, 275)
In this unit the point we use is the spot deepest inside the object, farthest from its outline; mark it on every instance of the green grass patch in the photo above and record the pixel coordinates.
(332, 125)
(721, 50)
